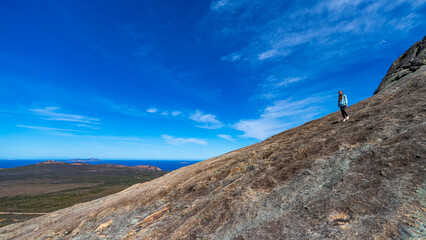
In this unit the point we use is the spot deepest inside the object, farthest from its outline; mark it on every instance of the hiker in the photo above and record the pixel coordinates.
(343, 103)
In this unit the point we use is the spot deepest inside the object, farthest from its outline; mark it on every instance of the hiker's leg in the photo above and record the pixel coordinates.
(344, 114)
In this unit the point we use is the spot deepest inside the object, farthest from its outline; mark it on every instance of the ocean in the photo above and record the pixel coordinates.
(166, 165)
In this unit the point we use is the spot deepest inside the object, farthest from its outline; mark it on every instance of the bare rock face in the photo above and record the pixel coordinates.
(407, 63)
(361, 179)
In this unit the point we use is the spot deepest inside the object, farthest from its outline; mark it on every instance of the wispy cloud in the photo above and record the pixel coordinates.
(164, 112)
(226, 136)
(176, 113)
(273, 53)
(321, 26)
(87, 126)
(231, 5)
(49, 129)
(152, 110)
(180, 141)
(83, 134)
(51, 113)
(261, 128)
(209, 120)
(133, 110)
(280, 116)
(231, 57)
(218, 4)
(114, 138)
(119, 108)
(273, 86)
(54, 131)
(285, 44)
(287, 81)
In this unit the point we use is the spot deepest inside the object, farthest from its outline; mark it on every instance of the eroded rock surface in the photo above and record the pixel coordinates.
(407, 63)
(362, 179)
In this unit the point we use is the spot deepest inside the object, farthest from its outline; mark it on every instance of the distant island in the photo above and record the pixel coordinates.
(84, 160)
(109, 165)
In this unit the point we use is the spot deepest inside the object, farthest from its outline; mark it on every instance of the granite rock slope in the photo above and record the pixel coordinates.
(409, 62)
(361, 179)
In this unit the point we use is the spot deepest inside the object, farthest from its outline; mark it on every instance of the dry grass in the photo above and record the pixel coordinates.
(14, 188)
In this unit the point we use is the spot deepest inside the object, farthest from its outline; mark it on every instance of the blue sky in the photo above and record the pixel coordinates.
(185, 79)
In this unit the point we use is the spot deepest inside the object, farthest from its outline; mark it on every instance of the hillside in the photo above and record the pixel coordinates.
(51, 185)
(362, 179)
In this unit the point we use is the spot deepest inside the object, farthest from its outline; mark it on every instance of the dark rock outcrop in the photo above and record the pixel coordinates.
(362, 179)
(407, 63)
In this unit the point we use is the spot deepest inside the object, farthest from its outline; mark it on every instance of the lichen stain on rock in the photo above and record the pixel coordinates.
(103, 226)
(151, 218)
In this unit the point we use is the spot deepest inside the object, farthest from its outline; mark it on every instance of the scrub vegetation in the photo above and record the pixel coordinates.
(49, 186)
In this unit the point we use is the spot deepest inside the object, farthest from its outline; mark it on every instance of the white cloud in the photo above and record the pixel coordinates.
(114, 138)
(260, 128)
(418, 3)
(180, 141)
(321, 26)
(175, 113)
(268, 54)
(209, 120)
(87, 126)
(120, 108)
(218, 4)
(288, 107)
(275, 52)
(132, 110)
(273, 86)
(152, 110)
(267, 95)
(231, 57)
(280, 116)
(235, 58)
(48, 129)
(287, 81)
(70, 133)
(226, 136)
(338, 5)
(231, 5)
(407, 22)
(50, 113)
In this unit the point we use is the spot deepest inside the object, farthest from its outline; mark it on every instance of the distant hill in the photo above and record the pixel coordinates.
(52, 185)
(84, 160)
(100, 166)
(327, 179)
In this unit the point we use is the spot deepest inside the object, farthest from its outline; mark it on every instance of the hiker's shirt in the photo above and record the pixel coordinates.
(343, 101)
